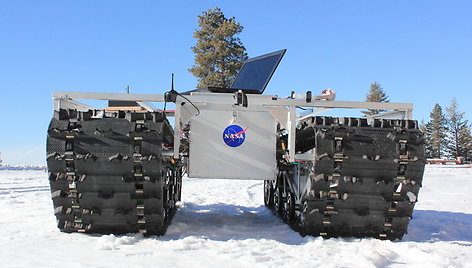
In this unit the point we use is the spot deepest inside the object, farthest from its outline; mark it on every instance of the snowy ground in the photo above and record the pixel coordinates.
(222, 223)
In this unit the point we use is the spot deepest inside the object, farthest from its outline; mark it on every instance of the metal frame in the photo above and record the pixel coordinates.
(282, 109)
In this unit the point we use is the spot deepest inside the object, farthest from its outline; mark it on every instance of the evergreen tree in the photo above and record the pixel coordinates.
(467, 137)
(436, 133)
(376, 94)
(218, 53)
(458, 134)
(426, 129)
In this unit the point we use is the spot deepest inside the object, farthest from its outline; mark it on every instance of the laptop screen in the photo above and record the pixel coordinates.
(256, 72)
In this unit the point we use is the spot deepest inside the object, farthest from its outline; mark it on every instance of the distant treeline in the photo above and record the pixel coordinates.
(23, 168)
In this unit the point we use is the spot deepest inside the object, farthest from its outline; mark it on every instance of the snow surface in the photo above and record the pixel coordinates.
(222, 223)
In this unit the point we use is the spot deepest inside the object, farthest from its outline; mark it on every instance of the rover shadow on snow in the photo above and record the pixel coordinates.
(432, 226)
(223, 222)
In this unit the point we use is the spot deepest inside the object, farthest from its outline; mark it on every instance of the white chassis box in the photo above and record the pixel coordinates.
(211, 154)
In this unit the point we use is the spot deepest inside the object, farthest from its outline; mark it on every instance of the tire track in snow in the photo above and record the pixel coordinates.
(251, 191)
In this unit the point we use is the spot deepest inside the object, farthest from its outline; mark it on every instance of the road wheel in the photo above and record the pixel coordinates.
(290, 207)
(278, 200)
(302, 218)
(268, 194)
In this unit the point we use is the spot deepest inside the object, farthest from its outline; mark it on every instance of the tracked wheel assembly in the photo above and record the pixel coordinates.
(354, 179)
(108, 172)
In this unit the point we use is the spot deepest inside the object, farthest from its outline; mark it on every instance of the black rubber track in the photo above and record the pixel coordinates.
(107, 173)
(363, 182)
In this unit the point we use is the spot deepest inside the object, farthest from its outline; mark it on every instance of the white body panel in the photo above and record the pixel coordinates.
(211, 157)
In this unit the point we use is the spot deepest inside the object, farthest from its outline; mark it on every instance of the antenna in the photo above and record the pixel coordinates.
(171, 96)
(172, 84)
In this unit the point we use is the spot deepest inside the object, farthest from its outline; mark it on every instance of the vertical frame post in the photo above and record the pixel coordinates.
(292, 117)
(177, 118)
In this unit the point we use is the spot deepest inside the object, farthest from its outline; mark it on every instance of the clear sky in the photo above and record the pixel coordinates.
(419, 51)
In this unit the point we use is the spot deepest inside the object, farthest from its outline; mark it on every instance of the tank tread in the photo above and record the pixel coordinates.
(107, 173)
(364, 180)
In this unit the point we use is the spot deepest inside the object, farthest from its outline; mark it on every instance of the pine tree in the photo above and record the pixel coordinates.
(458, 134)
(218, 53)
(467, 151)
(426, 129)
(376, 94)
(436, 133)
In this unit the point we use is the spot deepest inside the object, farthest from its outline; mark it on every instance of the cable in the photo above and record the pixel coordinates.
(198, 110)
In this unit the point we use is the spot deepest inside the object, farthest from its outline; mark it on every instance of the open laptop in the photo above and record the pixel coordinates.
(254, 75)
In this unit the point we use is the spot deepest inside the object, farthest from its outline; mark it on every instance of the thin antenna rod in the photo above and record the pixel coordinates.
(172, 85)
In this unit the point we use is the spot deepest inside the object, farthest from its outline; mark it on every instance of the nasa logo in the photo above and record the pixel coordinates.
(234, 135)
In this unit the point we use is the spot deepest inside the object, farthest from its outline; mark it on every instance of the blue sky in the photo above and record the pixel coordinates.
(419, 51)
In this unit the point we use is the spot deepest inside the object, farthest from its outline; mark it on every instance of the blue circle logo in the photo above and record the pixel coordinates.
(234, 135)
